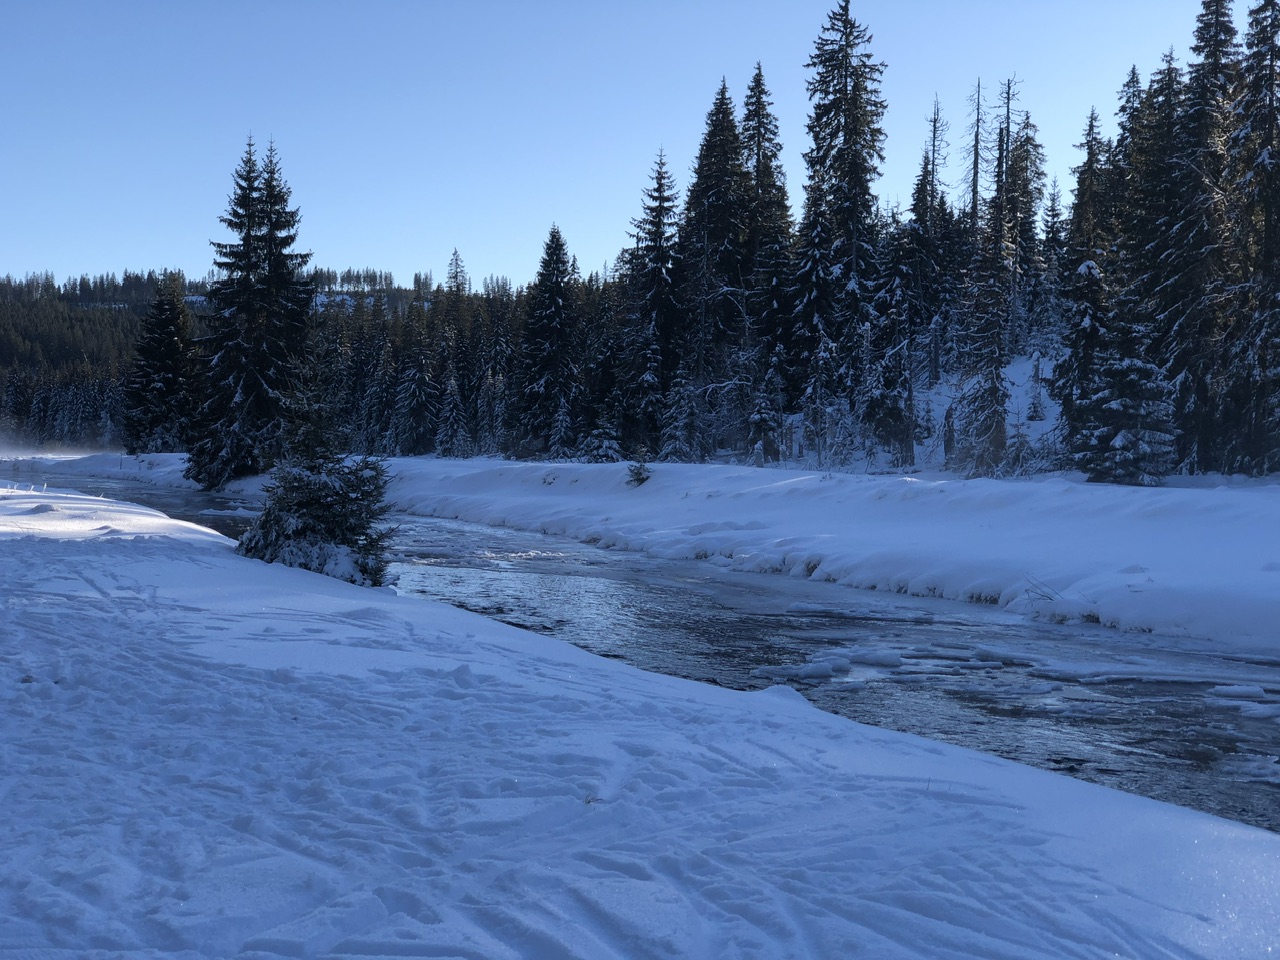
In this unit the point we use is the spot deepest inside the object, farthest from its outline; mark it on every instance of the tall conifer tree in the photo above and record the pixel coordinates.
(712, 237)
(1254, 352)
(768, 224)
(651, 340)
(847, 136)
(262, 302)
(1196, 304)
(550, 364)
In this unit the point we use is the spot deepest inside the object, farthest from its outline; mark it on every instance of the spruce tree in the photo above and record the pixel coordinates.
(1045, 304)
(287, 295)
(1025, 187)
(602, 444)
(650, 354)
(847, 137)
(1253, 359)
(1129, 436)
(682, 437)
(931, 254)
(641, 399)
(497, 313)
(768, 228)
(157, 395)
(991, 304)
(377, 409)
(1150, 198)
(815, 294)
(1195, 305)
(1086, 291)
(765, 422)
(261, 303)
(453, 437)
(653, 268)
(889, 393)
(550, 364)
(847, 146)
(712, 244)
(413, 423)
(982, 411)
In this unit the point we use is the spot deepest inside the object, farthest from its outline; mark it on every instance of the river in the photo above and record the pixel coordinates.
(1175, 722)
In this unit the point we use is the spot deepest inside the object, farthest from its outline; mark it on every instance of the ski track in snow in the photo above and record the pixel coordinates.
(202, 756)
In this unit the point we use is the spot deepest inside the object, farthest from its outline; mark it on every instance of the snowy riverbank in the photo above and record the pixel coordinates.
(204, 755)
(1200, 562)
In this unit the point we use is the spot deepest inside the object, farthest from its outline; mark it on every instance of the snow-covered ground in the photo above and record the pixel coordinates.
(205, 755)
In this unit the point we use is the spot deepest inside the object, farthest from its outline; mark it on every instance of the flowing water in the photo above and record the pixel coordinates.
(1169, 719)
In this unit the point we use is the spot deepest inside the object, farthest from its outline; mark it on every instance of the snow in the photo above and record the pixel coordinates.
(202, 755)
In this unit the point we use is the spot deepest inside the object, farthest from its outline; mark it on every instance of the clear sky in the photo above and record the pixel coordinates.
(408, 129)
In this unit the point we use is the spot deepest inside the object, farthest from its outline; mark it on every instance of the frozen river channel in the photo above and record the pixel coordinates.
(1169, 718)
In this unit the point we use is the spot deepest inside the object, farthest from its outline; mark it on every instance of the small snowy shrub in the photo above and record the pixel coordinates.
(638, 473)
(324, 515)
(324, 511)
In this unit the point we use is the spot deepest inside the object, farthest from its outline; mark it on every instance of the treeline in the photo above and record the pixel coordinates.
(1145, 315)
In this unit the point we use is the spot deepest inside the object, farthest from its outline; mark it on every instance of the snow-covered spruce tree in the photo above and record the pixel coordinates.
(562, 443)
(377, 408)
(1130, 436)
(1195, 306)
(768, 228)
(922, 251)
(765, 421)
(650, 348)
(1148, 204)
(550, 362)
(1086, 292)
(845, 128)
(817, 389)
(718, 338)
(639, 399)
(323, 511)
(288, 294)
(888, 391)
(453, 437)
(601, 444)
(982, 409)
(497, 315)
(491, 414)
(682, 436)
(157, 394)
(1253, 359)
(413, 424)
(262, 303)
(1045, 306)
(1023, 183)
(1116, 414)
(712, 240)
(981, 422)
(825, 409)
(599, 347)
(847, 148)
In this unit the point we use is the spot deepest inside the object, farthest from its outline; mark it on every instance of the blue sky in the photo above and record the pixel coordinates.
(409, 129)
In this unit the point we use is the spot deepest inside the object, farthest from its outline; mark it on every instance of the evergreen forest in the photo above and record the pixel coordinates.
(1126, 325)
